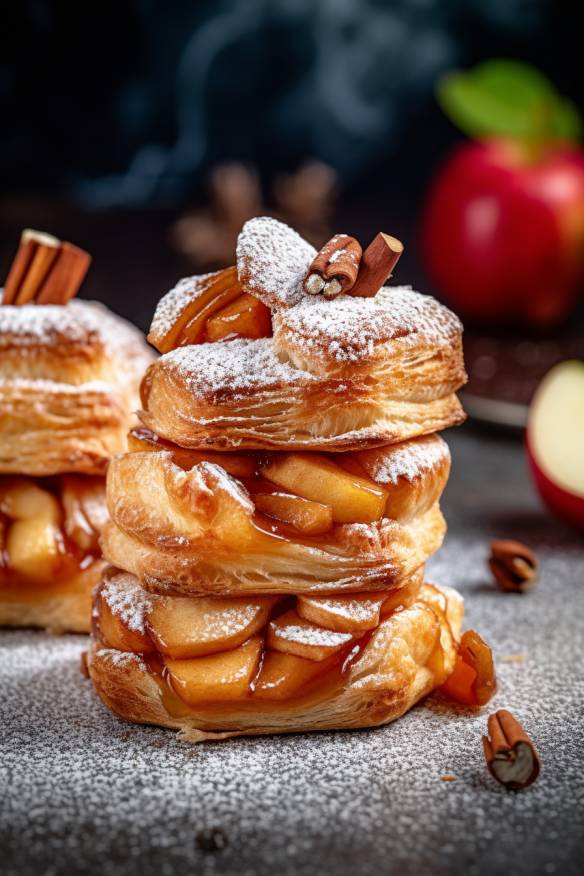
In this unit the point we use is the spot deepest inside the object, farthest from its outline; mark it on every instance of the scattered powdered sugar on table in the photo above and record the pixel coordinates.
(273, 261)
(86, 793)
(241, 365)
(348, 329)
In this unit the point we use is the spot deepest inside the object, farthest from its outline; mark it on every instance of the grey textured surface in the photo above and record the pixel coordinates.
(82, 792)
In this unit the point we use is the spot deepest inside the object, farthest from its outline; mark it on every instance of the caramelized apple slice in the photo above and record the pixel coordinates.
(117, 634)
(33, 538)
(292, 634)
(311, 518)
(181, 320)
(235, 464)
(352, 498)
(194, 627)
(218, 677)
(32, 546)
(246, 317)
(403, 597)
(22, 499)
(473, 681)
(85, 510)
(345, 614)
(459, 686)
(284, 676)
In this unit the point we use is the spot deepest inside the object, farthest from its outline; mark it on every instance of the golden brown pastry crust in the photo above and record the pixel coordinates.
(68, 379)
(410, 654)
(63, 607)
(342, 375)
(193, 532)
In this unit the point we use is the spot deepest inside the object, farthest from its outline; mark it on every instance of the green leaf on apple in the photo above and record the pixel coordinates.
(508, 99)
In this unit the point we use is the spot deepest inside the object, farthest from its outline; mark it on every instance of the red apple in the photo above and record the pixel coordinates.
(555, 441)
(503, 233)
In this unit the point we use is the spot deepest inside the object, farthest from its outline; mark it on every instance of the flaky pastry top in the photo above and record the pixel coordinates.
(69, 379)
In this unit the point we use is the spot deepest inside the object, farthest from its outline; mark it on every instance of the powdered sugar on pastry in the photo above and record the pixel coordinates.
(128, 600)
(209, 369)
(272, 261)
(348, 329)
(77, 322)
(409, 460)
(170, 307)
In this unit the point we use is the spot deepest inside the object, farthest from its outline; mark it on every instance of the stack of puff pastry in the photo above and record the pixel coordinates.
(270, 525)
(69, 374)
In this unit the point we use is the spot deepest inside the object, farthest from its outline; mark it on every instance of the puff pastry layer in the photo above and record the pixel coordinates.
(335, 376)
(197, 531)
(61, 607)
(408, 655)
(68, 387)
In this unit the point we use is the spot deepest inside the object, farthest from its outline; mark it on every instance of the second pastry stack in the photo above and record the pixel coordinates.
(270, 525)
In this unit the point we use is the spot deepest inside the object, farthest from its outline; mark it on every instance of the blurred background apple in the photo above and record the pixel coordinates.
(148, 132)
(503, 226)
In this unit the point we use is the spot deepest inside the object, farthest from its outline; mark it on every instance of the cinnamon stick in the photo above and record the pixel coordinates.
(45, 270)
(377, 264)
(34, 257)
(66, 275)
(334, 269)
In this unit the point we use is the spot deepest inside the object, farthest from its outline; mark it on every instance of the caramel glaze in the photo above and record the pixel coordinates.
(320, 688)
(255, 483)
(65, 570)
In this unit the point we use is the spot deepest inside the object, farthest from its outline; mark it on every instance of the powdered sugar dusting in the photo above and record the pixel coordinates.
(209, 369)
(171, 305)
(308, 634)
(272, 261)
(128, 600)
(82, 789)
(409, 460)
(349, 329)
(121, 658)
(77, 322)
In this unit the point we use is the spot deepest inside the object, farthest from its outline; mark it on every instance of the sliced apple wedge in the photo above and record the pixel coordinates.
(555, 441)
(33, 536)
(116, 633)
(235, 464)
(292, 634)
(185, 628)
(352, 498)
(285, 676)
(345, 614)
(246, 317)
(310, 518)
(33, 548)
(199, 299)
(22, 499)
(217, 678)
(83, 499)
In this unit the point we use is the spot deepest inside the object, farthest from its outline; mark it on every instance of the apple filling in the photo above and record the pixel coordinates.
(306, 494)
(49, 530)
(213, 650)
(210, 308)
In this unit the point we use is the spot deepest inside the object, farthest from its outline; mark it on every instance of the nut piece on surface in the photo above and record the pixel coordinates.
(514, 566)
(510, 754)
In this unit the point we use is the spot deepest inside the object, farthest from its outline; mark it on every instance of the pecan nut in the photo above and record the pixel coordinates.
(514, 566)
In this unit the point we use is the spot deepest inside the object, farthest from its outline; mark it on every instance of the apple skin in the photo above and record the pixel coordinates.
(503, 237)
(565, 505)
